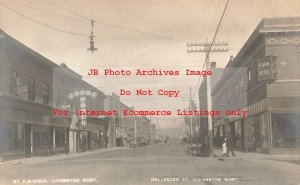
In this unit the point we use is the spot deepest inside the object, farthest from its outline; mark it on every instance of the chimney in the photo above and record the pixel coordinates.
(231, 58)
(213, 65)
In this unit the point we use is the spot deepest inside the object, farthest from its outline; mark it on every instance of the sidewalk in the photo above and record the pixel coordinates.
(35, 160)
(260, 156)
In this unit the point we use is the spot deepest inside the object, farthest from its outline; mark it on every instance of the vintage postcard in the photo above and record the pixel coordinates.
(150, 92)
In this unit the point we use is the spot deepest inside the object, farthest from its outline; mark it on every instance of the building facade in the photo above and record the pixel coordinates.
(29, 91)
(268, 84)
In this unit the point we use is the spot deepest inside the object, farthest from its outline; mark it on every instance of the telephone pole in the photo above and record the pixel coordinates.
(150, 131)
(135, 131)
(190, 99)
(156, 133)
(207, 49)
(191, 117)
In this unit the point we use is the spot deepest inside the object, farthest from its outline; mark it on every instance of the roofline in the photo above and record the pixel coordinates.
(26, 49)
(263, 28)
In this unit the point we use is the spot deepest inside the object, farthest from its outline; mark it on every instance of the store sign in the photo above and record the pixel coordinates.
(265, 68)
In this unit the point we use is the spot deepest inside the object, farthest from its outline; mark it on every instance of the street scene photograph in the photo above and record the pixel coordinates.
(153, 92)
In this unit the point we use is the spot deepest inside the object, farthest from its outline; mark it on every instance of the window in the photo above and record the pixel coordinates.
(14, 83)
(59, 137)
(11, 137)
(285, 130)
(57, 99)
(46, 93)
(31, 88)
(242, 82)
(18, 140)
(249, 78)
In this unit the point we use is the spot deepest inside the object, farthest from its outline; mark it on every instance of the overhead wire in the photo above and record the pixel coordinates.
(115, 26)
(213, 20)
(218, 27)
(41, 23)
(208, 31)
(226, 15)
(83, 18)
(213, 40)
(48, 12)
(70, 11)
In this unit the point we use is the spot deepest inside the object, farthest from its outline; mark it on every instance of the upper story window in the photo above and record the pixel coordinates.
(14, 83)
(57, 97)
(249, 78)
(242, 82)
(46, 93)
(31, 88)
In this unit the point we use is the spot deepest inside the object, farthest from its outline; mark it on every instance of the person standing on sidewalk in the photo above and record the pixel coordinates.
(229, 144)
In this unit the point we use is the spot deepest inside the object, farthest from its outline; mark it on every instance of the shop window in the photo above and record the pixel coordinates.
(18, 140)
(6, 137)
(41, 139)
(60, 136)
(14, 83)
(94, 140)
(285, 130)
(31, 88)
(11, 138)
(58, 139)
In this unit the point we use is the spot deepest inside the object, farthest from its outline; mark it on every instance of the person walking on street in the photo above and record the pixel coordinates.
(224, 148)
(229, 145)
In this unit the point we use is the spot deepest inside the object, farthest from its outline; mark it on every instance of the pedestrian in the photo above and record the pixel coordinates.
(253, 148)
(66, 147)
(224, 148)
(229, 145)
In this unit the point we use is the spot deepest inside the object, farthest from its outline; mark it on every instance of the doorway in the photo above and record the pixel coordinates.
(28, 130)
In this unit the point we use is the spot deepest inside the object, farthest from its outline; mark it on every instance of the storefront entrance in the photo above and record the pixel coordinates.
(28, 149)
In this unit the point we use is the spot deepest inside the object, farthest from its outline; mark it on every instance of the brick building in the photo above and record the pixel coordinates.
(268, 80)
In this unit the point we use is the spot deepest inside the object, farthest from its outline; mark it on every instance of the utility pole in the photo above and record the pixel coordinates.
(150, 131)
(207, 49)
(121, 121)
(191, 117)
(190, 99)
(135, 130)
(156, 128)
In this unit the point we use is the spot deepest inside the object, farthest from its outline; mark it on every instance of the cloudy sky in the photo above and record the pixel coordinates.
(174, 22)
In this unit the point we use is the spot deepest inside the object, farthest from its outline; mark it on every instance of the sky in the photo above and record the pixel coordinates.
(176, 21)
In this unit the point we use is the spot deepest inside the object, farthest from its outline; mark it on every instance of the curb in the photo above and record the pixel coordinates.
(36, 160)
